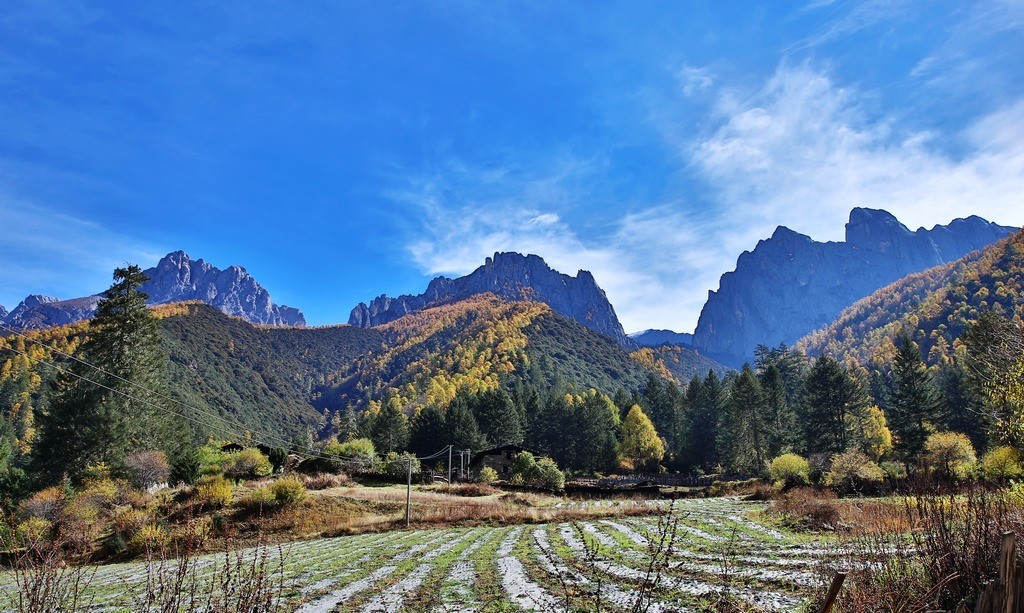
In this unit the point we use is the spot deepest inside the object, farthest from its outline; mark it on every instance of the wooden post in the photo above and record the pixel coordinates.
(449, 464)
(833, 592)
(408, 493)
(1008, 570)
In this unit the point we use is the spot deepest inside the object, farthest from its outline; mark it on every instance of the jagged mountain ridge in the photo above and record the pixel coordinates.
(790, 284)
(656, 338)
(511, 276)
(934, 307)
(175, 278)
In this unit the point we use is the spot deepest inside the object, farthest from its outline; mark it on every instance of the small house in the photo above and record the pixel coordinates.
(499, 458)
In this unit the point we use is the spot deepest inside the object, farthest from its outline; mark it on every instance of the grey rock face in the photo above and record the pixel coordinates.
(232, 290)
(511, 276)
(790, 285)
(656, 338)
(3, 312)
(176, 277)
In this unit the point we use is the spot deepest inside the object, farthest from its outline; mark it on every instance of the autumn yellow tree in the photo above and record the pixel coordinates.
(641, 447)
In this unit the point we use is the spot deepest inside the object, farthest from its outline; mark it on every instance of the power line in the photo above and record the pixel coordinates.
(166, 409)
(237, 424)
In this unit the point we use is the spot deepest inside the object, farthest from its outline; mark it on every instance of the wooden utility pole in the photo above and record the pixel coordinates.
(408, 492)
(449, 464)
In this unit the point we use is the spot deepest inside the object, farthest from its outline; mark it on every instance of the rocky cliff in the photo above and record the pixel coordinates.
(656, 338)
(175, 278)
(511, 276)
(790, 284)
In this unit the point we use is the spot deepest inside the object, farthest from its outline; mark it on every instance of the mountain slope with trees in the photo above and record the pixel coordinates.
(790, 285)
(933, 307)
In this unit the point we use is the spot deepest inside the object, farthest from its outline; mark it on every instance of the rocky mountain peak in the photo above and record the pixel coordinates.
(790, 284)
(176, 277)
(875, 229)
(512, 276)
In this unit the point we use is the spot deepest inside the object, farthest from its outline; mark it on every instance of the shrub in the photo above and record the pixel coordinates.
(539, 473)
(214, 492)
(150, 537)
(147, 468)
(397, 464)
(807, 508)
(287, 491)
(1002, 464)
(524, 468)
(894, 471)
(951, 455)
(323, 481)
(790, 469)
(247, 464)
(358, 455)
(258, 498)
(212, 460)
(488, 475)
(44, 504)
(548, 476)
(853, 471)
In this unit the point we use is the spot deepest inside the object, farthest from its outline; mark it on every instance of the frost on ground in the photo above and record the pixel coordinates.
(769, 569)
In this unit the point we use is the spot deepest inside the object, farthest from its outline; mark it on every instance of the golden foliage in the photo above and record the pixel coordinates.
(435, 353)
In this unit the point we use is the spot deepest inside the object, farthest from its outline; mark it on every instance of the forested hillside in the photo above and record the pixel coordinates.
(933, 307)
(480, 344)
(263, 378)
(676, 363)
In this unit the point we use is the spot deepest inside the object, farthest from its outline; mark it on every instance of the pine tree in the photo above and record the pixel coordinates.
(427, 431)
(780, 427)
(123, 407)
(497, 417)
(461, 427)
(914, 405)
(389, 430)
(705, 406)
(832, 402)
(745, 427)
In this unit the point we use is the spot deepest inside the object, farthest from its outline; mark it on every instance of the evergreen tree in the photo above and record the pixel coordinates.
(594, 422)
(832, 402)
(497, 417)
(705, 403)
(427, 431)
(461, 426)
(780, 417)
(961, 410)
(914, 404)
(123, 407)
(744, 429)
(389, 429)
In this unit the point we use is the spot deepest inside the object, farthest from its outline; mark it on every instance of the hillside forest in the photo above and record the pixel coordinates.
(464, 375)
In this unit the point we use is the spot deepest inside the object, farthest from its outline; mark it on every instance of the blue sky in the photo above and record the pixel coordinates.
(340, 150)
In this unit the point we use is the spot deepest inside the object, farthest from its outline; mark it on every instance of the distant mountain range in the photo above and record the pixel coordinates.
(511, 276)
(786, 287)
(177, 277)
(790, 285)
(656, 338)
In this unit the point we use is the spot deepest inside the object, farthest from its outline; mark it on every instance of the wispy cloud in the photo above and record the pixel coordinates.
(59, 254)
(800, 150)
(803, 150)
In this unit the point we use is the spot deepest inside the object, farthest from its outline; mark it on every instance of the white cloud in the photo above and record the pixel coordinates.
(800, 150)
(59, 254)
